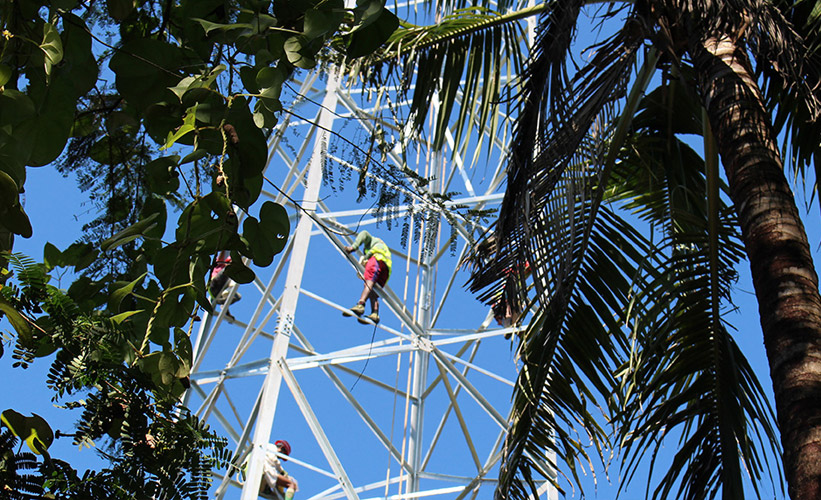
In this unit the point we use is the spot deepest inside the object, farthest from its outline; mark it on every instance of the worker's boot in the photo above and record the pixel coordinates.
(372, 316)
(358, 309)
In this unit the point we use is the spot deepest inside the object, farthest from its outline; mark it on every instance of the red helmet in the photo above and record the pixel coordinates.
(286, 448)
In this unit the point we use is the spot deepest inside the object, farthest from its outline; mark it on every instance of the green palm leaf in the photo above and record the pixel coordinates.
(686, 378)
(469, 56)
(613, 302)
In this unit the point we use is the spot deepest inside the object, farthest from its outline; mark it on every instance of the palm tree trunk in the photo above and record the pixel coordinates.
(785, 281)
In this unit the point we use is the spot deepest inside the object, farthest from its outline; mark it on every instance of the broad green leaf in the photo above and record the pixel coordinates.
(51, 127)
(195, 155)
(264, 117)
(206, 223)
(297, 54)
(181, 88)
(165, 265)
(188, 125)
(79, 255)
(119, 9)
(79, 62)
(376, 26)
(238, 271)
(52, 257)
(272, 50)
(18, 322)
(86, 293)
(202, 299)
(66, 5)
(153, 206)
(120, 318)
(16, 220)
(162, 175)
(321, 22)
(177, 305)
(256, 5)
(107, 151)
(146, 68)
(121, 293)
(272, 104)
(185, 351)
(5, 74)
(267, 237)
(271, 78)
(208, 26)
(129, 234)
(269, 81)
(19, 132)
(261, 22)
(248, 76)
(167, 366)
(248, 161)
(34, 429)
(9, 192)
(52, 46)
(211, 111)
(191, 83)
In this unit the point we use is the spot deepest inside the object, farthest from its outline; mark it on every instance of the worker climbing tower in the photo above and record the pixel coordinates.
(414, 407)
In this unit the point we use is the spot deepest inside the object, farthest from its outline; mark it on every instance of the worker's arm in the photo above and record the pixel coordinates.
(362, 237)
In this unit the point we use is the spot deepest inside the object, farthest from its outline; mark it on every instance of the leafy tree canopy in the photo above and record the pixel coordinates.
(153, 105)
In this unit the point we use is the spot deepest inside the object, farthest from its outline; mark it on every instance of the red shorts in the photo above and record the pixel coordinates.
(376, 271)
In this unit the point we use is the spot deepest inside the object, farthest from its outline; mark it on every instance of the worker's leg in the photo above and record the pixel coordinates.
(217, 283)
(367, 292)
(270, 477)
(359, 308)
(374, 298)
(289, 484)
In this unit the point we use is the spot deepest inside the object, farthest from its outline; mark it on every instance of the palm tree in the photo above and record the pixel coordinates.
(598, 279)
(715, 38)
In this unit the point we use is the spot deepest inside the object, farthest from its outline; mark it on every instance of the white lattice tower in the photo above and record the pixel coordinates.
(415, 407)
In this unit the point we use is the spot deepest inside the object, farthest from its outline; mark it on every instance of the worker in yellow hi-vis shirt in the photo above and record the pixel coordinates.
(377, 270)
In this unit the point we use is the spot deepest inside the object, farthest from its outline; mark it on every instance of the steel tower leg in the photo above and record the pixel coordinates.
(279, 351)
(424, 315)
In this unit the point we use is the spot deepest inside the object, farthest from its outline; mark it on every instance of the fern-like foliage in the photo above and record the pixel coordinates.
(154, 447)
(19, 470)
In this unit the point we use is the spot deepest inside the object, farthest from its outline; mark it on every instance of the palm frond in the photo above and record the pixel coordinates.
(686, 378)
(569, 355)
(568, 140)
(783, 37)
(596, 284)
(463, 57)
(794, 114)
(549, 220)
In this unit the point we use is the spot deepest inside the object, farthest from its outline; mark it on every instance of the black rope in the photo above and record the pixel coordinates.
(370, 349)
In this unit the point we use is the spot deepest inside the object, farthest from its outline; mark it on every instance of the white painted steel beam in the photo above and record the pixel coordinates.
(319, 433)
(270, 392)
